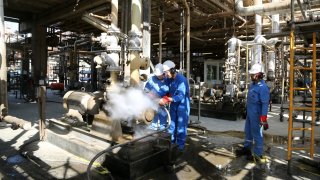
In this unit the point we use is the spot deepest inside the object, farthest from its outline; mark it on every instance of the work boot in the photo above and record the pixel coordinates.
(257, 159)
(242, 151)
(88, 127)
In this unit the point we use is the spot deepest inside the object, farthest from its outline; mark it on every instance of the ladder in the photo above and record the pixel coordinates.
(310, 88)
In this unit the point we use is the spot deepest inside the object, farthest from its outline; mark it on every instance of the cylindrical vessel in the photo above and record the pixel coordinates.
(84, 102)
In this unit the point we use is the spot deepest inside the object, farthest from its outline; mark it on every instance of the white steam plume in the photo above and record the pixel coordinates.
(128, 103)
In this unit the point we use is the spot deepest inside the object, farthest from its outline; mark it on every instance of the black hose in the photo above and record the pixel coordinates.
(123, 144)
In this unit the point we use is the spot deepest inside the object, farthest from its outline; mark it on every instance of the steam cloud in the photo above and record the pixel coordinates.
(128, 103)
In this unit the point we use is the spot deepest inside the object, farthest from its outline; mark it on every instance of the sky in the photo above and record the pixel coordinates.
(11, 26)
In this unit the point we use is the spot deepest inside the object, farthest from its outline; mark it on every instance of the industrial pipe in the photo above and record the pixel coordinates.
(135, 38)
(271, 61)
(103, 26)
(110, 40)
(136, 64)
(112, 43)
(23, 124)
(182, 37)
(135, 41)
(227, 9)
(233, 57)
(257, 48)
(267, 8)
(84, 102)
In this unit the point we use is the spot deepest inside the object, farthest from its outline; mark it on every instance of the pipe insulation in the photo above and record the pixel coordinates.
(271, 55)
(135, 41)
(257, 47)
(231, 66)
(114, 14)
(23, 124)
(267, 8)
(83, 102)
(135, 34)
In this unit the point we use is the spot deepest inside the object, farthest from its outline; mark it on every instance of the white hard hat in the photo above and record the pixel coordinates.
(167, 65)
(256, 68)
(158, 70)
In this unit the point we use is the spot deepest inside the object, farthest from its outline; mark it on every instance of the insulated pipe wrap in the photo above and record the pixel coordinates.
(84, 102)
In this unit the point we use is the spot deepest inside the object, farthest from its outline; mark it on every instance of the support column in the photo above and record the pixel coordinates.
(42, 112)
(146, 33)
(25, 61)
(3, 67)
(39, 54)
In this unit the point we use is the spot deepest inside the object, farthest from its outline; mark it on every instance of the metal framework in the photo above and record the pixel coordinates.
(292, 124)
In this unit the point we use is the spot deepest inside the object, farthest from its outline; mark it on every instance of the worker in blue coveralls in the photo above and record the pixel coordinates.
(257, 110)
(156, 88)
(180, 103)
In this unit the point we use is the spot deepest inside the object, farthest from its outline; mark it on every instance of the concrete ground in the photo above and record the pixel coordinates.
(208, 155)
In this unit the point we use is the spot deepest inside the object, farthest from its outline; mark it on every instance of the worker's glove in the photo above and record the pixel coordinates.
(152, 95)
(164, 101)
(264, 122)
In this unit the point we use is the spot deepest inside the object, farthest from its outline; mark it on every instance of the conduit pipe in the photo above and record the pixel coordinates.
(135, 41)
(267, 8)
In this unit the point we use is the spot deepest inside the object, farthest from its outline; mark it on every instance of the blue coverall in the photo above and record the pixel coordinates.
(158, 89)
(179, 109)
(257, 105)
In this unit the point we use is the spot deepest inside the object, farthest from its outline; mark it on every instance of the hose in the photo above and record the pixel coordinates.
(129, 142)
